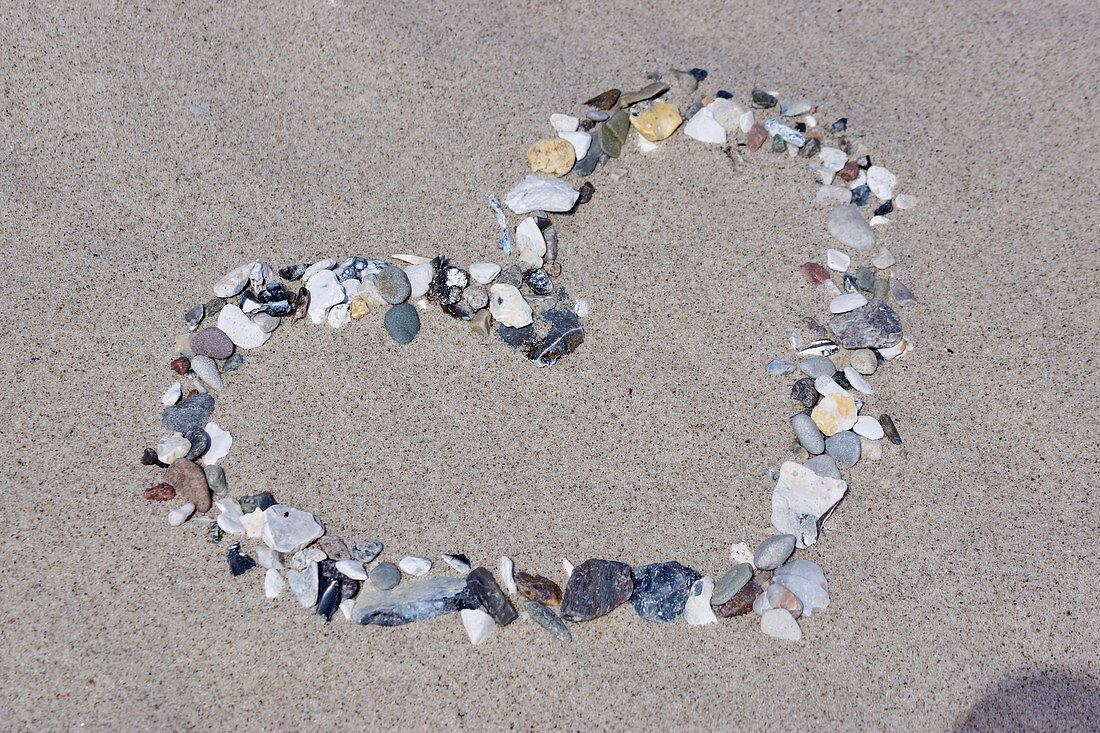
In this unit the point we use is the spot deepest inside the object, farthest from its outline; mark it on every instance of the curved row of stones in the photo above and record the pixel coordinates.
(521, 307)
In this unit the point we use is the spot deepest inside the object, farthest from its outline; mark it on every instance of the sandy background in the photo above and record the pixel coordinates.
(146, 150)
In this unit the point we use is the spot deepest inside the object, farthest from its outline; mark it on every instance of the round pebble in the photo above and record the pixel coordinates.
(393, 285)
(818, 366)
(774, 551)
(385, 575)
(402, 322)
(864, 361)
(844, 447)
(212, 342)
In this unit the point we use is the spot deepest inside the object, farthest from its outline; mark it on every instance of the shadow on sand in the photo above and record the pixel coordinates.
(1050, 700)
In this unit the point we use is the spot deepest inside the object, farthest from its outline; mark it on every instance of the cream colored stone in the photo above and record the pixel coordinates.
(253, 523)
(552, 155)
(834, 414)
(508, 306)
(656, 121)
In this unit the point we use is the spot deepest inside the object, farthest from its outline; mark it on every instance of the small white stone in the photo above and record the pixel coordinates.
(508, 306)
(581, 308)
(206, 369)
(529, 237)
(302, 559)
(778, 623)
(352, 568)
(727, 112)
(747, 121)
(220, 443)
(325, 291)
(847, 302)
(837, 260)
(172, 447)
(477, 623)
(229, 521)
(304, 584)
(833, 195)
(289, 530)
(412, 259)
(579, 140)
(833, 159)
(253, 523)
(868, 427)
(369, 292)
(894, 351)
(878, 220)
(704, 128)
(831, 288)
(811, 122)
(697, 611)
(420, 278)
(256, 272)
(172, 394)
(567, 567)
(484, 272)
(273, 583)
(318, 266)
(795, 340)
(564, 123)
(413, 565)
(826, 385)
(176, 517)
(857, 381)
(507, 574)
(352, 288)
(339, 315)
(270, 559)
(541, 192)
(240, 329)
(346, 607)
(904, 201)
(740, 552)
(881, 182)
(884, 259)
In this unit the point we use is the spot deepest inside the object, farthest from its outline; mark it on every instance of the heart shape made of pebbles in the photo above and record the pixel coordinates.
(519, 304)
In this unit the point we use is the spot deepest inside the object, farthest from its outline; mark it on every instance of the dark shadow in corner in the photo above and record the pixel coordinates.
(1049, 700)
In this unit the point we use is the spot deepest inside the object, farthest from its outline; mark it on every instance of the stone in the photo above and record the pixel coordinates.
(868, 427)
(230, 518)
(856, 380)
(220, 443)
(477, 623)
(874, 326)
(188, 416)
(881, 182)
(823, 465)
(847, 302)
(193, 317)
(655, 121)
(507, 306)
(529, 237)
(357, 268)
(551, 335)
(802, 501)
(402, 322)
(833, 195)
(587, 163)
(181, 514)
(849, 172)
(333, 546)
(595, 588)
(741, 602)
(789, 135)
(182, 365)
(160, 492)
(861, 195)
(649, 91)
(393, 285)
(305, 584)
(661, 590)
(484, 273)
(806, 581)
(273, 583)
(740, 553)
(704, 128)
(828, 385)
(817, 366)
(804, 391)
(213, 343)
(253, 523)
(762, 99)
(458, 562)
(778, 623)
(415, 566)
(268, 558)
(757, 135)
(206, 369)
(774, 551)
(779, 367)
(302, 559)
(538, 281)
(833, 159)
(563, 123)
(200, 443)
(234, 282)
(412, 601)
(266, 322)
(538, 588)
(604, 100)
(190, 483)
(864, 361)
(553, 156)
(889, 429)
(366, 551)
(385, 575)
(475, 298)
(240, 329)
(729, 584)
(834, 413)
(485, 592)
(325, 291)
(172, 447)
(420, 278)
(548, 620)
(481, 323)
(892, 352)
(814, 273)
(541, 193)
(779, 145)
(837, 260)
(612, 134)
(261, 501)
(811, 148)
(849, 228)
(233, 363)
(808, 434)
(697, 610)
(352, 569)
(239, 563)
(289, 530)
(884, 259)
(901, 294)
(580, 141)
(776, 596)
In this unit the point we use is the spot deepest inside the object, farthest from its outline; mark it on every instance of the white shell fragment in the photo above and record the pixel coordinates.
(697, 611)
(477, 623)
(868, 427)
(172, 447)
(240, 329)
(229, 521)
(564, 123)
(220, 443)
(508, 306)
(802, 501)
(507, 574)
(352, 568)
(273, 583)
(778, 623)
(847, 302)
(529, 237)
(172, 394)
(857, 380)
(837, 260)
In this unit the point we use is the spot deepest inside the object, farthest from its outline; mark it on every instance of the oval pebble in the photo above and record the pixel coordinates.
(402, 322)
(818, 366)
(212, 342)
(393, 285)
(857, 381)
(808, 434)
(733, 581)
(385, 575)
(774, 551)
(864, 361)
(868, 427)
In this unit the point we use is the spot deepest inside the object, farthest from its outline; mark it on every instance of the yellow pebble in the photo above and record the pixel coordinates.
(359, 307)
(657, 121)
(834, 414)
(554, 156)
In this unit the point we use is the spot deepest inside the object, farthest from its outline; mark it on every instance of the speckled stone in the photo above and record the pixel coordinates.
(874, 326)
(213, 343)
(844, 447)
(190, 483)
(412, 601)
(485, 592)
(804, 391)
(394, 287)
(385, 575)
(402, 322)
(741, 602)
(595, 588)
(661, 590)
(817, 366)
(808, 434)
(889, 429)
(188, 416)
(864, 361)
(366, 551)
(538, 588)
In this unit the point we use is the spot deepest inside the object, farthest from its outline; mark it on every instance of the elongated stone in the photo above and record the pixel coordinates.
(730, 583)
(874, 326)
(809, 437)
(775, 550)
(849, 228)
(595, 588)
(548, 620)
(889, 429)
(485, 592)
(741, 601)
(537, 588)
(542, 193)
(412, 601)
(605, 100)
(661, 590)
(612, 134)
(649, 91)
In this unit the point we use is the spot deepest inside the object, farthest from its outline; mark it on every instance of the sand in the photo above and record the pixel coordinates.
(146, 150)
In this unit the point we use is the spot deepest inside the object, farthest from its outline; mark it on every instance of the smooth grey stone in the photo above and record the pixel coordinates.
(779, 367)
(200, 443)
(194, 316)
(549, 620)
(873, 326)
(649, 91)
(901, 294)
(402, 322)
(412, 601)
(849, 228)
(808, 434)
(597, 115)
(865, 279)
(819, 366)
(733, 581)
(823, 466)
(385, 575)
(206, 369)
(261, 500)
(215, 479)
(188, 416)
(366, 551)
(661, 590)
(805, 580)
(233, 363)
(774, 551)
(844, 447)
(864, 361)
(393, 285)
(551, 238)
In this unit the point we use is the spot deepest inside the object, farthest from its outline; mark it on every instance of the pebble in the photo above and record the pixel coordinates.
(385, 575)
(230, 518)
(779, 367)
(856, 380)
(847, 302)
(553, 156)
(366, 551)
(394, 286)
(587, 164)
(884, 259)
(833, 159)
(188, 416)
(563, 123)
(874, 325)
(864, 361)
(193, 317)
(541, 193)
(253, 523)
(868, 427)
(881, 182)
(325, 291)
(789, 135)
(756, 136)
(905, 201)
(181, 365)
(661, 590)
(741, 602)
(817, 366)
(352, 568)
(412, 601)
(892, 352)
(261, 501)
(268, 558)
(776, 596)
(814, 273)
(266, 322)
(889, 429)
(778, 623)
(612, 133)
(507, 573)
(529, 237)
(649, 91)
(802, 500)
(861, 195)
(806, 581)
(402, 322)
(206, 369)
(762, 99)
(844, 447)
(595, 588)
(485, 592)
(415, 566)
(459, 562)
(748, 121)
(810, 149)
(704, 128)
(697, 610)
(849, 228)
(178, 516)
(172, 447)
(483, 273)
(477, 623)
(240, 329)
(160, 492)
(824, 465)
(804, 391)
(548, 620)
(834, 413)
(304, 584)
(795, 107)
(596, 115)
(732, 582)
(833, 194)
(727, 112)
(538, 588)
(655, 121)
(273, 583)
(508, 306)
(901, 294)
(212, 342)
(580, 142)
(740, 552)
(220, 443)
(419, 277)
(774, 551)
(837, 260)
(190, 484)
(239, 564)
(809, 437)
(849, 172)
(233, 283)
(289, 530)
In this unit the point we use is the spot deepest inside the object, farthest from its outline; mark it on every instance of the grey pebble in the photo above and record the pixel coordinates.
(510, 275)
(233, 363)
(548, 620)
(874, 326)
(262, 500)
(823, 466)
(402, 322)
(206, 369)
(200, 443)
(819, 366)
(774, 551)
(393, 285)
(475, 297)
(597, 115)
(779, 367)
(849, 227)
(844, 447)
(901, 294)
(215, 478)
(733, 581)
(864, 361)
(808, 434)
(188, 416)
(366, 550)
(586, 165)
(385, 575)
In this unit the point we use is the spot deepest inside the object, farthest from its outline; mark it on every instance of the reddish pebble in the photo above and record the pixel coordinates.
(190, 482)
(212, 342)
(814, 273)
(849, 172)
(160, 492)
(741, 603)
(757, 136)
(181, 365)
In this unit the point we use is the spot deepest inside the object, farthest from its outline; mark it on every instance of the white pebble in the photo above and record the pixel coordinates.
(581, 308)
(230, 518)
(881, 182)
(172, 394)
(346, 607)
(477, 623)
(697, 611)
(831, 288)
(833, 195)
(567, 567)
(339, 315)
(273, 583)
(857, 381)
(884, 259)
(579, 140)
(507, 573)
(747, 121)
(847, 302)
(420, 278)
(868, 427)
(564, 123)
(220, 443)
(837, 260)
(878, 221)
(253, 523)
(646, 146)
(484, 272)
(704, 128)
(740, 552)
(352, 568)
(172, 447)
(176, 517)
(833, 159)
(529, 237)
(270, 559)
(414, 565)
(904, 201)
(778, 623)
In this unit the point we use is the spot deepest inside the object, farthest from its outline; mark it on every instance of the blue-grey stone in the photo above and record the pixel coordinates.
(818, 366)
(808, 434)
(861, 195)
(189, 416)
(872, 326)
(414, 600)
(393, 285)
(591, 159)
(774, 551)
(661, 590)
(823, 466)
(402, 322)
(779, 367)
(733, 581)
(366, 551)
(790, 135)
(385, 575)
(844, 447)
(548, 620)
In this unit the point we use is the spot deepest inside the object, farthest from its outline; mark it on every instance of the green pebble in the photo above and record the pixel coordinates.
(778, 144)
(762, 99)
(402, 322)
(730, 583)
(613, 133)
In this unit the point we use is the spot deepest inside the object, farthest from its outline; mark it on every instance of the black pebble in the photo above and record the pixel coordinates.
(839, 126)
(890, 429)
(884, 209)
(841, 380)
(723, 94)
(239, 564)
(330, 600)
(699, 74)
(586, 192)
(262, 500)
(864, 161)
(803, 391)
(149, 458)
(800, 126)
(292, 272)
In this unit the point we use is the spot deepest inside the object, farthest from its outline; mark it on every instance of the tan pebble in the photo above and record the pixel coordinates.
(834, 414)
(656, 121)
(480, 323)
(553, 155)
(617, 175)
(870, 450)
(359, 307)
(780, 597)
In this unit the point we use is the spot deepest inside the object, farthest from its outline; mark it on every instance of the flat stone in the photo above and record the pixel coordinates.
(172, 447)
(325, 291)
(824, 465)
(305, 584)
(814, 273)
(457, 562)
(834, 413)
(778, 623)
(485, 592)
(804, 391)
(538, 588)
(160, 492)
(729, 584)
(330, 573)
(415, 566)
(697, 610)
(239, 563)
(817, 366)
(661, 590)
(393, 285)
(757, 135)
(548, 620)
(868, 427)
(253, 523)
(385, 575)
(779, 367)
(366, 551)
(529, 237)
(774, 551)
(587, 163)
(563, 123)
(704, 128)
(552, 156)
(507, 306)
(847, 302)
(806, 580)
(230, 518)
(484, 273)
(412, 601)
(289, 530)
(901, 294)
(844, 447)
(649, 91)
(741, 602)
(188, 416)
(864, 361)
(874, 326)
(808, 434)
(604, 100)
(190, 483)
(206, 369)
(881, 182)
(212, 342)
(273, 583)
(802, 501)
(889, 429)
(612, 133)
(541, 193)
(402, 323)
(595, 588)
(193, 317)
(850, 229)
(762, 99)
(220, 443)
